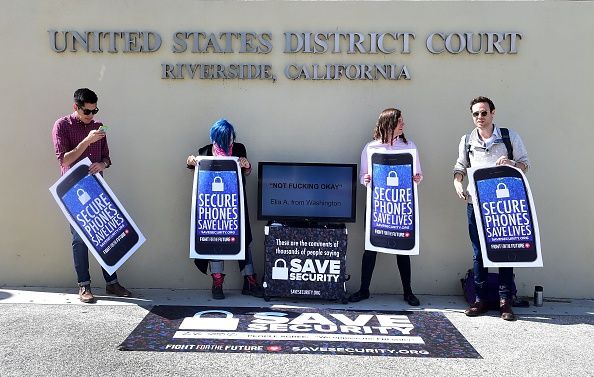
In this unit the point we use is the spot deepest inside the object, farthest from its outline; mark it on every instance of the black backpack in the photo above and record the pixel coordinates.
(491, 290)
(506, 141)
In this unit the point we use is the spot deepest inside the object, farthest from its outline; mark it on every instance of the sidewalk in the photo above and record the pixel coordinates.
(50, 332)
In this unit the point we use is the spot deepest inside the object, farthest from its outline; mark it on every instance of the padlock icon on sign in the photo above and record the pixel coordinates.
(502, 191)
(280, 272)
(392, 179)
(217, 184)
(197, 322)
(83, 196)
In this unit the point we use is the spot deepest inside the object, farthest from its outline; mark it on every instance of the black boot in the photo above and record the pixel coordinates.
(411, 299)
(359, 296)
(217, 286)
(251, 286)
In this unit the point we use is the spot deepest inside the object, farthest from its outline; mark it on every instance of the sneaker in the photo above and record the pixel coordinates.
(506, 310)
(476, 309)
(411, 299)
(217, 286)
(85, 295)
(116, 289)
(359, 296)
(251, 286)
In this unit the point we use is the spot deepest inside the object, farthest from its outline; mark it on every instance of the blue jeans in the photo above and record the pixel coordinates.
(506, 274)
(80, 254)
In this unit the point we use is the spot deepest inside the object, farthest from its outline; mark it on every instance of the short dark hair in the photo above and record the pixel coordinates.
(84, 95)
(482, 99)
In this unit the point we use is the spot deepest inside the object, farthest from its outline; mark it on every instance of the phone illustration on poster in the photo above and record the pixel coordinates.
(506, 217)
(97, 215)
(392, 216)
(217, 220)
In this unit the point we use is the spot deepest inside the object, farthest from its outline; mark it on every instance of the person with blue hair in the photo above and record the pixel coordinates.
(222, 136)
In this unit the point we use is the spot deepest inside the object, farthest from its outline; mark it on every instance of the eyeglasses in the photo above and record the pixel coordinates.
(482, 113)
(88, 111)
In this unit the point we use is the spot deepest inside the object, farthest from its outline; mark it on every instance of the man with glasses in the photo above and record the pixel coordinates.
(75, 137)
(487, 145)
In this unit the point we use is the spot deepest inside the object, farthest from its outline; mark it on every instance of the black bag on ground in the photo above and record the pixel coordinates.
(492, 291)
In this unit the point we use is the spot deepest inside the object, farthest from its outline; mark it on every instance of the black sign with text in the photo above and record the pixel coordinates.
(307, 262)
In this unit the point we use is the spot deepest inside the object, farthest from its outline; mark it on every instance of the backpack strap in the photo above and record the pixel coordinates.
(507, 142)
(467, 148)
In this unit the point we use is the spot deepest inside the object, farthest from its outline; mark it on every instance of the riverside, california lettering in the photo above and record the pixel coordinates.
(385, 44)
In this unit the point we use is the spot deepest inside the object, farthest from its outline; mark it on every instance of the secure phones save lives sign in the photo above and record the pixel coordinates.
(217, 226)
(506, 217)
(96, 214)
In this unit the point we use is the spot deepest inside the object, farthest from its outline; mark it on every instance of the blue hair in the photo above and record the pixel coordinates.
(222, 134)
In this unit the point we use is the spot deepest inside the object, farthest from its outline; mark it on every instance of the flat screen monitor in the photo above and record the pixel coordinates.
(309, 192)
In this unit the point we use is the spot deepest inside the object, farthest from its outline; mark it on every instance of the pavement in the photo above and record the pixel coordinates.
(49, 332)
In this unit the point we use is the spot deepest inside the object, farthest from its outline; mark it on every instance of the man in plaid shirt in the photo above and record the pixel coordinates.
(75, 137)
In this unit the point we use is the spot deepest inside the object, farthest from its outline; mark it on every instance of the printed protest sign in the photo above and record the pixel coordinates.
(505, 216)
(217, 223)
(306, 262)
(392, 216)
(298, 330)
(97, 216)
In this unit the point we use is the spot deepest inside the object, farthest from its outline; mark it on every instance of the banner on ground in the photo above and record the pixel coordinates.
(217, 222)
(392, 216)
(506, 217)
(297, 330)
(97, 215)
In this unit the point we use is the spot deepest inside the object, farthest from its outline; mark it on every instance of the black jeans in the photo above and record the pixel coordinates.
(368, 264)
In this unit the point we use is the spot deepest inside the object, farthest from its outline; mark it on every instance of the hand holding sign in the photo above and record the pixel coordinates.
(506, 218)
(217, 230)
(97, 216)
(392, 217)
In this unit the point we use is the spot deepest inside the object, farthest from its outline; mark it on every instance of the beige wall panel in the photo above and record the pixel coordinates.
(544, 92)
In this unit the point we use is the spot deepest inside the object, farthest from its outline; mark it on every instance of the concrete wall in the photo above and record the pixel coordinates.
(544, 91)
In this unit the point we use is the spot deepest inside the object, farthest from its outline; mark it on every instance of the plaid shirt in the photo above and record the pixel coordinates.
(68, 132)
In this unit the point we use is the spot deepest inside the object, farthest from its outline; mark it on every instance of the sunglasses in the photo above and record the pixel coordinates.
(88, 112)
(482, 113)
